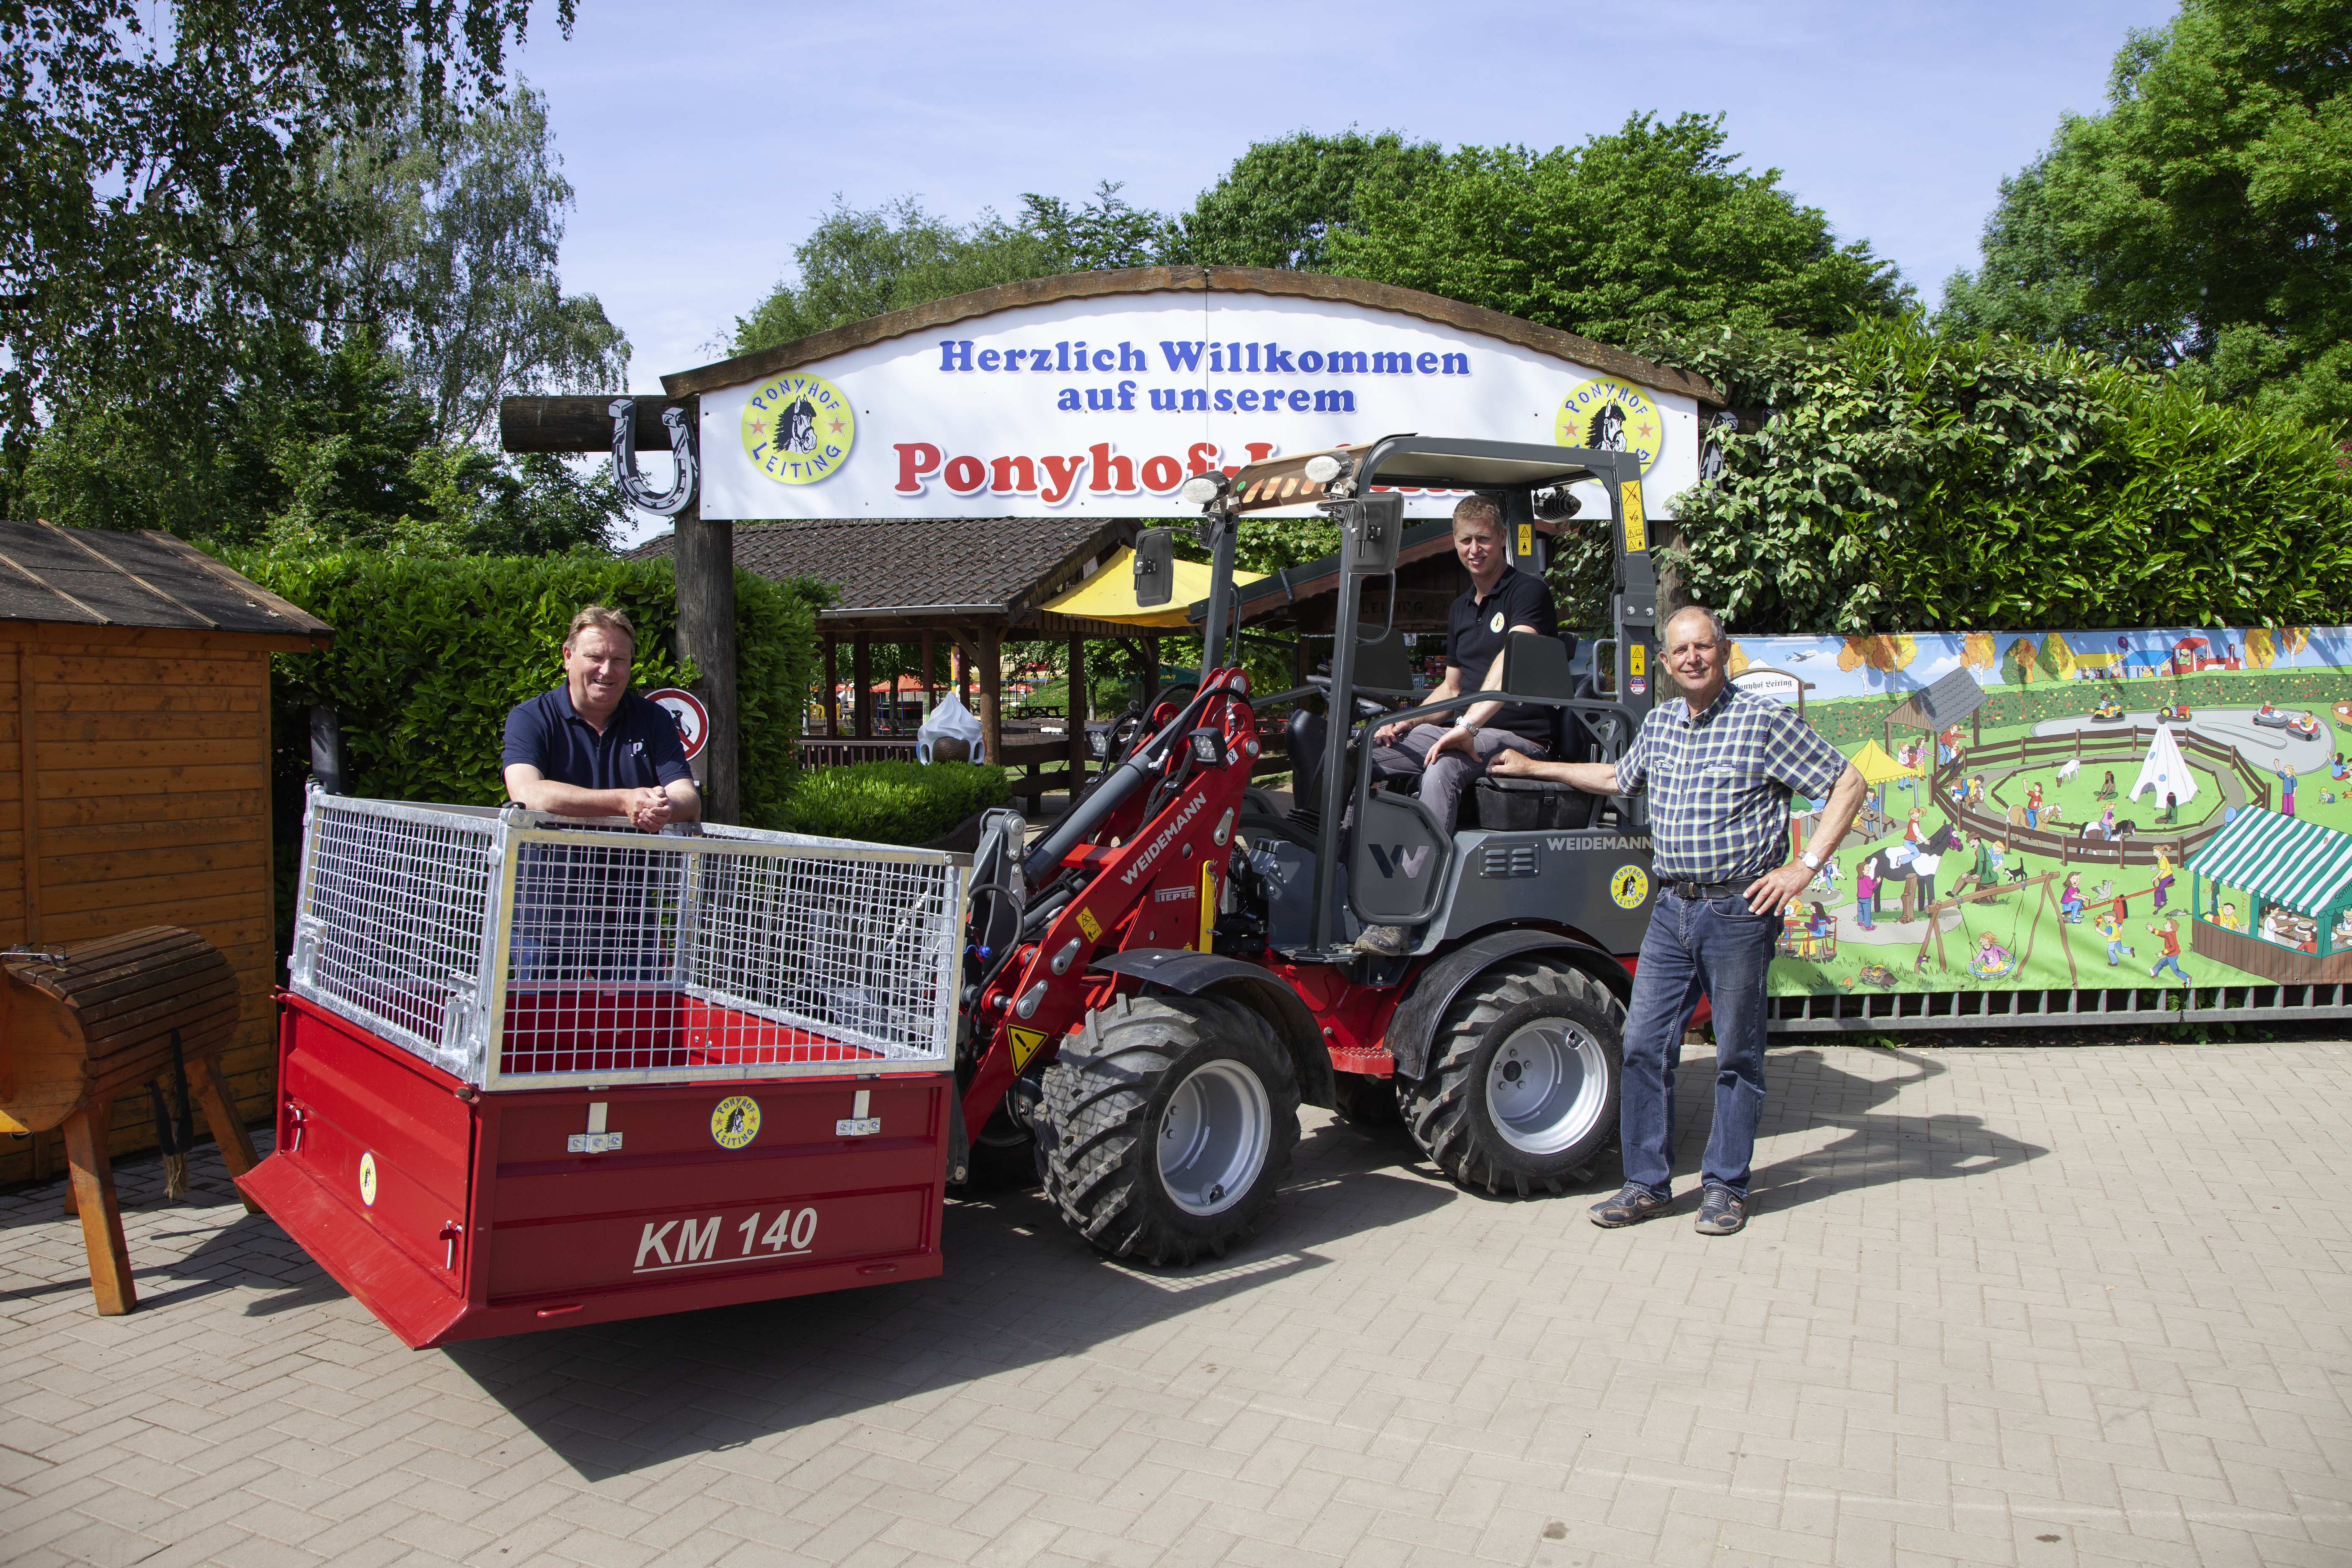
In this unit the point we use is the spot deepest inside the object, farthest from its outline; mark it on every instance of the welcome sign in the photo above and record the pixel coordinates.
(1107, 403)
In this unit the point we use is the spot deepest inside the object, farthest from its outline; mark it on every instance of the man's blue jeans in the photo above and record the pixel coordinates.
(1715, 948)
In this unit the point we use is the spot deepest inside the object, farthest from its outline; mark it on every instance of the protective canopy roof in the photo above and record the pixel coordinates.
(1109, 594)
(2164, 770)
(1876, 767)
(2304, 865)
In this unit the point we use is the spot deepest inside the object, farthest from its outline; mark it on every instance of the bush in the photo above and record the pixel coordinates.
(891, 802)
(429, 655)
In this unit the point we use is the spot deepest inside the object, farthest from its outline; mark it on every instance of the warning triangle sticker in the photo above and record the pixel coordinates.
(1025, 1046)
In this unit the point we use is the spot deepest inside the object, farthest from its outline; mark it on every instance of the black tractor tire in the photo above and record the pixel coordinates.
(1365, 1102)
(1521, 1092)
(1198, 1081)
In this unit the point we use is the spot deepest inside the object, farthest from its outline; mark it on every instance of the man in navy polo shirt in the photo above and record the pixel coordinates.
(591, 747)
(1448, 756)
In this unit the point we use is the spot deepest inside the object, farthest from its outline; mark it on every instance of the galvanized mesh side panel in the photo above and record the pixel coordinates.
(860, 950)
(390, 926)
(727, 954)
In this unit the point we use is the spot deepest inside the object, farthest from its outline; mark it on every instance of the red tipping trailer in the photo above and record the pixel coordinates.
(536, 1074)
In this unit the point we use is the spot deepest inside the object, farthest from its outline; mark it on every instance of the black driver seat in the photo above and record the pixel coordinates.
(1537, 666)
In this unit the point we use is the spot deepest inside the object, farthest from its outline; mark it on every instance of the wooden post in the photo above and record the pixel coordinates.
(861, 667)
(1150, 674)
(209, 1089)
(1076, 710)
(832, 704)
(705, 634)
(102, 1218)
(931, 688)
(29, 797)
(992, 687)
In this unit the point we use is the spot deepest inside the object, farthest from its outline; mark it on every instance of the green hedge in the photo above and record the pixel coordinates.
(891, 802)
(429, 655)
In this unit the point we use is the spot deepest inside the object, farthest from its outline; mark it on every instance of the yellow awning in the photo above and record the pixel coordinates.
(1877, 766)
(1109, 594)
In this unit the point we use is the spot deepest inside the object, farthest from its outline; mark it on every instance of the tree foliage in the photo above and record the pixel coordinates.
(2200, 221)
(1283, 202)
(159, 210)
(333, 451)
(1908, 481)
(459, 221)
(1653, 224)
(858, 263)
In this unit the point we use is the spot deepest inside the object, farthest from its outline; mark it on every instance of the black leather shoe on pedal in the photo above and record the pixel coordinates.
(1629, 1206)
(1721, 1212)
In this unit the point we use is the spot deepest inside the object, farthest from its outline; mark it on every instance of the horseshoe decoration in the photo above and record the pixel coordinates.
(633, 489)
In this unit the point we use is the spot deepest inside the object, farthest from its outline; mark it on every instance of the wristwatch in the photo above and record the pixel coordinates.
(1465, 726)
(1812, 861)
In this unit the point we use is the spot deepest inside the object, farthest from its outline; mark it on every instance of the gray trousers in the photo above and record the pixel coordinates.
(1443, 782)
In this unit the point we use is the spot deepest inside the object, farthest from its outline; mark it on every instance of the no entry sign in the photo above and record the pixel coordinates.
(693, 718)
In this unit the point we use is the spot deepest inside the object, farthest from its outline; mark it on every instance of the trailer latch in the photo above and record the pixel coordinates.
(595, 1141)
(857, 1124)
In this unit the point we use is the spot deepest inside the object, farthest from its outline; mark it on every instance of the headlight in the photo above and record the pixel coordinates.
(1325, 467)
(1203, 490)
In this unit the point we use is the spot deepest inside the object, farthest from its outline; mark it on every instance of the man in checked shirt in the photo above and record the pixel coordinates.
(1720, 766)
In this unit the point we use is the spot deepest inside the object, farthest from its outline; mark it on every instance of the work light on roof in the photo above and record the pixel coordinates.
(1325, 467)
(1206, 489)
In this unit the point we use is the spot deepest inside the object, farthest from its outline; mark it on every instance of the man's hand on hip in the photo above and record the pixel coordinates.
(1775, 890)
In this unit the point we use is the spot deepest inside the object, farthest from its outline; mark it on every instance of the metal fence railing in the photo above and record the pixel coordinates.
(519, 951)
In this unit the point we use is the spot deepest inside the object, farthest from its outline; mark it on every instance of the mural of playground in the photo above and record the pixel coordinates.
(2075, 810)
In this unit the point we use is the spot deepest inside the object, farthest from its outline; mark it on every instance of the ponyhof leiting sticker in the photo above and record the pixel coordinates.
(1628, 886)
(1606, 414)
(1497, 623)
(735, 1122)
(798, 428)
(367, 1179)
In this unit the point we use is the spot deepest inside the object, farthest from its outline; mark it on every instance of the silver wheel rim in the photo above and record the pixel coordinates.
(1213, 1136)
(1547, 1087)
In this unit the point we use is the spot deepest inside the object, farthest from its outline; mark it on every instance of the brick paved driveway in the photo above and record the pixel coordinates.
(2000, 1306)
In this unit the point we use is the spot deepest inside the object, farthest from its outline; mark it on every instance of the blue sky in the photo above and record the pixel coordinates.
(704, 140)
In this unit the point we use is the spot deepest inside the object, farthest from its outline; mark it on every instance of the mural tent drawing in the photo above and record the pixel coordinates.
(2164, 815)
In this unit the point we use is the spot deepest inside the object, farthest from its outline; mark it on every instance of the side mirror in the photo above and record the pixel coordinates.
(1371, 527)
(1155, 566)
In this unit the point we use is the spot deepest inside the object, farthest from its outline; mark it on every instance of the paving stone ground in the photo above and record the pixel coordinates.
(1998, 1306)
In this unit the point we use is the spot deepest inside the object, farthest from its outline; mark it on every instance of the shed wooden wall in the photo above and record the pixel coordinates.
(145, 756)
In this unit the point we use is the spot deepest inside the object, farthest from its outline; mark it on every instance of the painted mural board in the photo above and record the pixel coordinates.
(2165, 807)
(1106, 404)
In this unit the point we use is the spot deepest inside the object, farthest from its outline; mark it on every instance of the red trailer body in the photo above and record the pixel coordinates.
(451, 1214)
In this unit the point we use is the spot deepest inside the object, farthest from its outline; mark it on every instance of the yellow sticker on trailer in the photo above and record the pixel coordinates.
(1637, 529)
(1025, 1045)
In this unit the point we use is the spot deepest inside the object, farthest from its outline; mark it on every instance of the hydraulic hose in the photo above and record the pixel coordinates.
(1116, 787)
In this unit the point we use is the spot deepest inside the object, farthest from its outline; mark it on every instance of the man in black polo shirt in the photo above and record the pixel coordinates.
(1448, 755)
(591, 747)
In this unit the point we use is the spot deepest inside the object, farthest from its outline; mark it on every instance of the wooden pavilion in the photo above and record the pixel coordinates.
(134, 716)
(970, 585)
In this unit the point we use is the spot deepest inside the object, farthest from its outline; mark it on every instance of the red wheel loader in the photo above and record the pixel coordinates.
(537, 1073)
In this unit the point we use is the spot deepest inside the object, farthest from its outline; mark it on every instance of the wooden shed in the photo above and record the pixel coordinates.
(135, 721)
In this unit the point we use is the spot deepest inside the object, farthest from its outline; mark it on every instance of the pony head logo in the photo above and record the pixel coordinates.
(735, 1122)
(798, 428)
(1628, 887)
(1606, 414)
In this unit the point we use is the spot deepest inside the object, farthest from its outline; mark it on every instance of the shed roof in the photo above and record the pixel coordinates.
(104, 577)
(2302, 865)
(1944, 703)
(983, 570)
